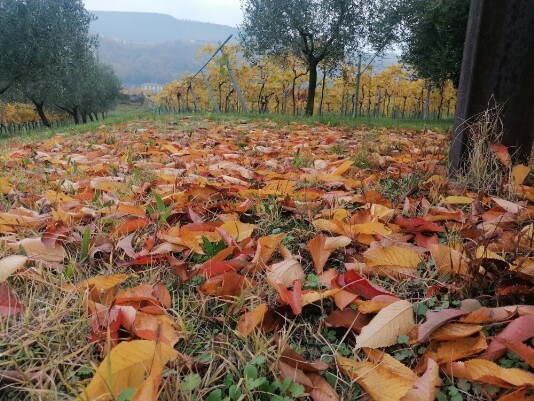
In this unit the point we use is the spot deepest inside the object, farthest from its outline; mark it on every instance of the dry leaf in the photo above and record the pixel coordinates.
(391, 322)
(250, 320)
(10, 265)
(127, 365)
(285, 273)
(488, 372)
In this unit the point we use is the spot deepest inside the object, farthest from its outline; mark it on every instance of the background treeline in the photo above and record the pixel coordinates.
(317, 57)
(47, 59)
(273, 86)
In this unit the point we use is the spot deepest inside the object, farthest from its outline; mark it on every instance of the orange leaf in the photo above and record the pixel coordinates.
(321, 247)
(250, 320)
(130, 226)
(380, 383)
(266, 248)
(488, 372)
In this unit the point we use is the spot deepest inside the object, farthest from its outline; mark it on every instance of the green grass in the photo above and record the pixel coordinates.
(124, 114)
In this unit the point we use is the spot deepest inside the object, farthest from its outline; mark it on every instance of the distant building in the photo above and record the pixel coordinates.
(156, 88)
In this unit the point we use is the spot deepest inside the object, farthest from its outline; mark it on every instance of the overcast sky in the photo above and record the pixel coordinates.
(227, 12)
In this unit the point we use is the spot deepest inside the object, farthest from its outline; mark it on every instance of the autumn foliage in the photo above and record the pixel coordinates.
(364, 266)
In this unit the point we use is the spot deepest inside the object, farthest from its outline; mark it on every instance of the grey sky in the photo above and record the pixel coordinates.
(227, 12)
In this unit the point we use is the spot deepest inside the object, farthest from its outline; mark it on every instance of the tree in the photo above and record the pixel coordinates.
(497, 70)
(40, 44)
(314, 31)
(434, 38)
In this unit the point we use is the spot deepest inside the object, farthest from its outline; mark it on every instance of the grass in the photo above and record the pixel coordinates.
(47, 349)
(125, 113)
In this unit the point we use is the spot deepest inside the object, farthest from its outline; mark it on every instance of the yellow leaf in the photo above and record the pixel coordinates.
(10, 265)
(5, 188)
(454, 331)
(279, 188)
(343, 168)
(127, 365)
(520, 173)
(459, 200)
(380, 383)
(238, 230)
(391, 322)
(103, 282)
(403, 261)
(369, 229)
(387, 361)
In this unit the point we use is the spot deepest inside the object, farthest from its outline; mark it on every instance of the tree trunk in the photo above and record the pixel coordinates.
(84, 118)
(96, 116)
(497, 69)
(310, 102)
(322, 93)
(40, 110)
(357, 93)
(76, 116)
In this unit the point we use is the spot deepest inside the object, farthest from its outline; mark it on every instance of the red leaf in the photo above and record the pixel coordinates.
(9, 305)
(521, 329)
(357, 284)
(418, 225)
(292, 298)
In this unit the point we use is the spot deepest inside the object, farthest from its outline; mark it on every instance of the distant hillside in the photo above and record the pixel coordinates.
(136, 63)
(157, 48)
(151, 28)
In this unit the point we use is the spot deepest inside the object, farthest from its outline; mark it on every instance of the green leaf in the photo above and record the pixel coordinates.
(126, 394)
(191, 382)
(296, 390)
(86, 243)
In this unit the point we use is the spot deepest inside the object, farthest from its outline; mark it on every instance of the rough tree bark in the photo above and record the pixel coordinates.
(39, 107)
(497, 69)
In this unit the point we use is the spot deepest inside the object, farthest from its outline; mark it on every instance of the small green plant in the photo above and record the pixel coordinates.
(258, 386)
(162, 211)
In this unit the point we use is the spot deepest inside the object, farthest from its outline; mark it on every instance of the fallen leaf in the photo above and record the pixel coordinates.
(521, 329)
(10, 265)
(448, 260)
(380, 383)
(436, 319)
(248, 321)
(285, 273)
(127, 365)
(9, 305)
(321, 247)
(488, 372)
(391, 322)
(397, 259)
(35, 249)
(425, 387)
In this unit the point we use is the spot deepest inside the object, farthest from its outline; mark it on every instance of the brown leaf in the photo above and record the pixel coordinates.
(425, 387)
(436, 319)
(322, 390)
(294, 359)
